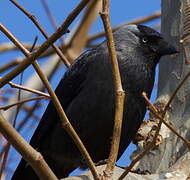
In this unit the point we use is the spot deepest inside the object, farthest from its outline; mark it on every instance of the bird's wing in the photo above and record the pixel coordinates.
(66, 91)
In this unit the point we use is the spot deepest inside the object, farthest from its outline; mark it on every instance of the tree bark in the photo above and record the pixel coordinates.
(172, 71)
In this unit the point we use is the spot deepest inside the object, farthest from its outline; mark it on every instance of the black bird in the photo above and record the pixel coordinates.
(86, 93)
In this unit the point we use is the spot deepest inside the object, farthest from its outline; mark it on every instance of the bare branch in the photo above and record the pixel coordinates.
(34, 158)
(60, 31)
(75, 43)
(13, 85)
(4, 47)
(21, 102)
(136, 21)
(155, 112)
(120, 95)
(65, 122)
(150, 146)
(4, 159)
(34, 20)
(138, 158)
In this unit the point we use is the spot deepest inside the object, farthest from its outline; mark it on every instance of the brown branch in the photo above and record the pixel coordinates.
(150, 146)
(51, 19)
(49, 14)
(120, 95)
(3, 149)
(34, 158)
(10, 47)
(21, 102)
(37, 24)
(60, 31)
(138, 158)
(13, 85)
(148, 18)
(4, 159)
(29, 110)
(73, 46)
(150, 105)
(155, 112)
(30, 113)
(10, 65)
(65, 122)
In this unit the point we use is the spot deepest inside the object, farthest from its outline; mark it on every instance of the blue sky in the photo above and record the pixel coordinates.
(121, 11)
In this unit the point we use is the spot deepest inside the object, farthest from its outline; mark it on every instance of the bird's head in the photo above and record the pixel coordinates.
(143, 40)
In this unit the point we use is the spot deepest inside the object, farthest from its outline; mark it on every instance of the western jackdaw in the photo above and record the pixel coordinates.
(87, 95)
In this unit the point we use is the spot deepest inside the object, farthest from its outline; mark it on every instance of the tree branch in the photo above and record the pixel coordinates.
(13, 85)
(21, 102)
(60, 31)
(136, 21)
(65, 122)
(41, 29)
(34, 158)
(120, 95)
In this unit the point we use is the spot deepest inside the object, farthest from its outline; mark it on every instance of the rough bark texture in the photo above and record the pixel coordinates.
(172, 71)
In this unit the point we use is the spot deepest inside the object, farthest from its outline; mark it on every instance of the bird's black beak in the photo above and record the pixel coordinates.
(166, 49)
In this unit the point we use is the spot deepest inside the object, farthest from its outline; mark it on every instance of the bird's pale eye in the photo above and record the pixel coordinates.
(144, 40)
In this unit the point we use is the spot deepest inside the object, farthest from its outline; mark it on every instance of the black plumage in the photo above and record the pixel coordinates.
(86, 93)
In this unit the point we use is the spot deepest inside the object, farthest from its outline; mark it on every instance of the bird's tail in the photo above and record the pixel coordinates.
(25, 171)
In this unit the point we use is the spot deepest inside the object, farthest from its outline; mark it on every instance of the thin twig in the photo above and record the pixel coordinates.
(150, 105)
(21, 102)
(34, 20)
(10, 65)
(172, 129)
(83, 28)
(4, 47)
(13, 85)
(60, 31)
(28, 109)
(155, 112)
(120, 95)
(148, 18)
(73, 48)
(49, 14)
(30, 113)
(149, 147)
(51, 18)
(138, 158)
(65, 122)
(4, 158)
(3, 149)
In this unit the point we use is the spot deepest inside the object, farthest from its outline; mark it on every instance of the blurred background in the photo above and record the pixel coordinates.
(50, 14)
